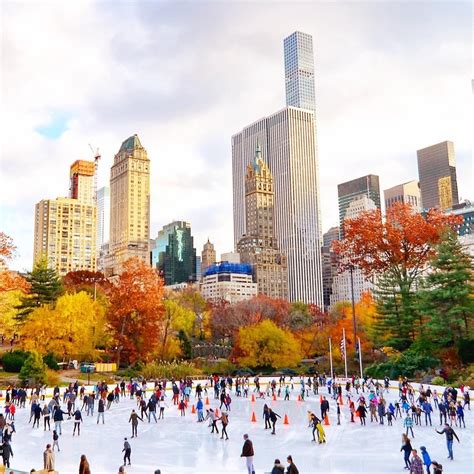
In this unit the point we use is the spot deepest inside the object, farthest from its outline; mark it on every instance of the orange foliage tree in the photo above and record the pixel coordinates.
(9, 281)
(397, 250)
(136, 311)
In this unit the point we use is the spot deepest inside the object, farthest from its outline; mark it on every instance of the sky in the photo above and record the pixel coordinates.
(391, 78)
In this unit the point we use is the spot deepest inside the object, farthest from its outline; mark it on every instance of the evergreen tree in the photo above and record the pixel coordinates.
(447, 296)
(33, 370)
(45, 287)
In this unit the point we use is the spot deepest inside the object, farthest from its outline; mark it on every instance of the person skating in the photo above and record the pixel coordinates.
(426, 459)
(278, 468)
(84, 467)
(291, 469)
(273, 418)
(324, 408)
(127, 452)
(77, 422)
(416, 466)
(6, 453)
(450, 435)
(408, 424)
(338, 414)
(460, 415)
(362, 412)
(58, 419)
(37, 412)
(225, 421)
(321, 433)
(55, 440)
(437, 467)
(100, 410)
(46, 417)
(200, 410)
(248, 454)
(134, 420)
(427, 409)
(314, 423)
(213, 418)
(266, 417)
(152, 409)
(407, 449)
(48, 459)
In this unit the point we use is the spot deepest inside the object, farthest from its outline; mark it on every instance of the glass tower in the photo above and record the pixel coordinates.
(299, 71)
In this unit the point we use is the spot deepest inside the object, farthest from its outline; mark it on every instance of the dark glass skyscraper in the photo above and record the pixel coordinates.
(174, 253)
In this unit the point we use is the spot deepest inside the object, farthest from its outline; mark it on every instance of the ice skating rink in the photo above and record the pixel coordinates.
(181, 445)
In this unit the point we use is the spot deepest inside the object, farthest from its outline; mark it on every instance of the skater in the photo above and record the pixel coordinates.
(292, 469)
(426, 459)
(77, 422)
(437, 467)
(152, 409)
(134, 419)
(84, 467)
(460, 415)
(48, 459)
(6, 453)
(58, 419)
(213, 418)
(321, 433)
(314, 422)
(200, 410)
(450, 435)
(266, 416)
(46, 417)
(127, 450)
(338, 414)
(162, 404)
(248, 454)
(416, 466)
(37, 412)
(55, 440)
(225, 421)
(100, 411)
(273, 418)
(407, 449)
(324, 408)
(408, 424)
(278, 468)
(362, 412)
(427, 409)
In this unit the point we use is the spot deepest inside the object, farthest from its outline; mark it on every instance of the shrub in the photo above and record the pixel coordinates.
(219, 367)
(33, 371)
(13, 361)
(52, 378)
(438, 381)
(405, 364)
(466, 350)
(169, 370)
(51, 361)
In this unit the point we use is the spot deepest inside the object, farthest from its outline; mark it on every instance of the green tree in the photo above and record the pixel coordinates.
(33, 370)
(446, 298)
(45, 288)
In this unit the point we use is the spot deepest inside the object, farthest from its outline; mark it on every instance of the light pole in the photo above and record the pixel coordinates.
(354, 323)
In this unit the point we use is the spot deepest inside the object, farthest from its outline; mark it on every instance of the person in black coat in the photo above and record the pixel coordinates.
(324, 408)
(273, 418)
(6, 453)
(278, 468)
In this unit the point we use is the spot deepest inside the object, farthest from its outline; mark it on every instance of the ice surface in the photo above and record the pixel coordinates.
(181, 445)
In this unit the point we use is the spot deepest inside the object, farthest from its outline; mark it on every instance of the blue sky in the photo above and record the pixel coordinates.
(391, 77)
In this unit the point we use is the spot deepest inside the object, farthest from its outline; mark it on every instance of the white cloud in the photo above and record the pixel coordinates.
(391, 78)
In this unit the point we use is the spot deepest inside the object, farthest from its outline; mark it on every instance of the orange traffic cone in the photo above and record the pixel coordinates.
(320, 399)
(253, 397)
(254, 418)
(340, 401)
(193, 409)
(326, 420)
(285, 421)
(186, 403)
(217, 411)
(274, 397)
(299, 398)
(207, 401)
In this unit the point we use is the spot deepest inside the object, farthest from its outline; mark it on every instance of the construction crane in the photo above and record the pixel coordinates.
(96, 168)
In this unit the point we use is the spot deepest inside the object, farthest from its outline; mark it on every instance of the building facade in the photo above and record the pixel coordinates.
(81, 185)
(329, 264)
(227, 281)
(437, 174)
(259, 246)
(406, 193)
(174, 254)
(354, 189)
(129, 205)
(65, 234)
(287, 141)
(208, 256)
(103, 225)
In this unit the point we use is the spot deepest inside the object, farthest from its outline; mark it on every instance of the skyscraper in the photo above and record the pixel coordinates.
(81, 177)
(299, 71)
(329, 264)
(259, 246)
(407, 193)
(129, 205)
(103, 224)
(437, 173)
(354, 189)
(174, 253)
(208, 256)
(287, 140)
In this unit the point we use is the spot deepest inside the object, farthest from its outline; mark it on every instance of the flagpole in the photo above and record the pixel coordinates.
(360, 359)
(345, 350)
(330, 357)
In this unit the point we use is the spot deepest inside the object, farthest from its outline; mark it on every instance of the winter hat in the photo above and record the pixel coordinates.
(422, 448)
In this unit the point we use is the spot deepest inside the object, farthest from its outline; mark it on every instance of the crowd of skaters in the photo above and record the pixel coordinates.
(364, 396)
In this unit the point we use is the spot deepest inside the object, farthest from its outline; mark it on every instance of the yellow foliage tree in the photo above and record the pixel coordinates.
(73, 327)
(266, 345)
(9, 300)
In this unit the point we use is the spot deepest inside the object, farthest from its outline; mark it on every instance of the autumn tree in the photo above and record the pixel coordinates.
(266, 345)
(447, 296)
(44, 288)
(84, 280)
(9, 280)
(136, 311)
(396, 250)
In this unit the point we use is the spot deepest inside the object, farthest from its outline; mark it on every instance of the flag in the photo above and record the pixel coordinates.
(343, 347)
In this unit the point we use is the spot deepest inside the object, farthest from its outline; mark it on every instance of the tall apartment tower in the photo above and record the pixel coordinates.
(259, 246)
(406, 193)
(129, 205)
(354, 189)
(81, 177)
(287, 140)
(208, 256)
(437, 173)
